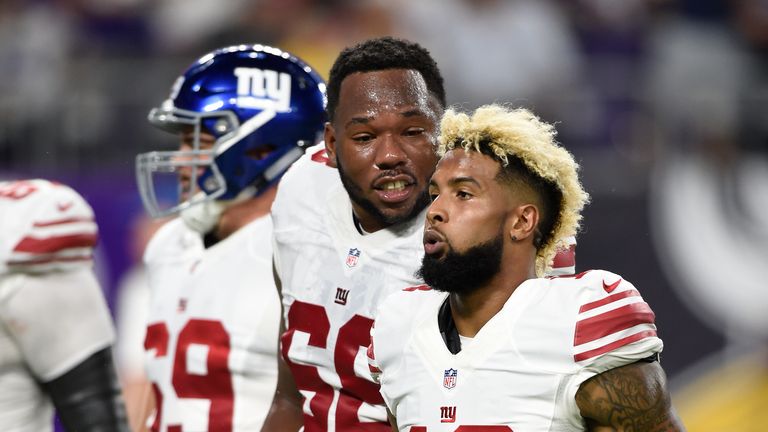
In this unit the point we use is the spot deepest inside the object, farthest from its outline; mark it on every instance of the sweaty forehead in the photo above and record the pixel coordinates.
(370, 94)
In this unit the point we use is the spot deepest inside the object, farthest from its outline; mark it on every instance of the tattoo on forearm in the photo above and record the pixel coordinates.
(632, 398)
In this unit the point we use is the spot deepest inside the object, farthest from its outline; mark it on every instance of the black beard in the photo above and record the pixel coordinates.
(355, 193)
(463, 273)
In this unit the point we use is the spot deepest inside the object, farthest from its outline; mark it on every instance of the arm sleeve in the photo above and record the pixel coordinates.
(87, 397)
(57, 319)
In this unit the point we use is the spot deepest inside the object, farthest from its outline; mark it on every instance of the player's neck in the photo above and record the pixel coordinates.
(473, 310)
(358, 225)
(241, 214)
(365, 222)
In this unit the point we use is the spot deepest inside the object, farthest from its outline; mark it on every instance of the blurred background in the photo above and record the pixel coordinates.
(663, 102)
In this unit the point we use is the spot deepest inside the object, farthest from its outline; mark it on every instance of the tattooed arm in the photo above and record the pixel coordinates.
(629, 398)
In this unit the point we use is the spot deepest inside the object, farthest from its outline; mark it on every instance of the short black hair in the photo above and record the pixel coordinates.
(382, 54)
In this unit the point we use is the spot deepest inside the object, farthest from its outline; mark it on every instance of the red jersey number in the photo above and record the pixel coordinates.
(215, 386)
(355, 333)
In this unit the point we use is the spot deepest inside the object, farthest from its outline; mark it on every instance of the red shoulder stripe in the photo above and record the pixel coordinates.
(609, 299)
(55, 243)
(613, 345)
(616, 320)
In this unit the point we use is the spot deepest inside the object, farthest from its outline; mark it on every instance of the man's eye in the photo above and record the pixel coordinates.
(463, 194)
(433, 196)
(362, 138)
(414, 132)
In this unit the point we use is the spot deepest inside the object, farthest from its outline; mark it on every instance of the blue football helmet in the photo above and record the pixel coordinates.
(255, 100)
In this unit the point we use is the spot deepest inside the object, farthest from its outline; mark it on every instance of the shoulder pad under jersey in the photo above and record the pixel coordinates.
(44, 226)
(612, 315)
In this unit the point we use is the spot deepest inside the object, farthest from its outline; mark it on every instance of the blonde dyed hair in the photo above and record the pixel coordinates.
(521, 134)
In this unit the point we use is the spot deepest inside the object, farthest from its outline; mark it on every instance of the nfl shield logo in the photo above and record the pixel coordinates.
(352, 257)
(449, 378)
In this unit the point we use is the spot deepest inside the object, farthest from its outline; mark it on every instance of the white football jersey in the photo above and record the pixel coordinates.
(522, 370)
(333, 280)
(52, 311)
(214, 317)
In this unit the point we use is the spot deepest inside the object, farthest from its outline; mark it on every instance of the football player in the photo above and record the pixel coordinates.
(55, 329)
(347, 226)
(489, 344)
(243, 114)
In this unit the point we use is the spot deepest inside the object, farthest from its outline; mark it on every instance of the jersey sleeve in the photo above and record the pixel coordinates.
(613, 327)
(44, 227)
(299, 203)
(298, 188)
(56, 319)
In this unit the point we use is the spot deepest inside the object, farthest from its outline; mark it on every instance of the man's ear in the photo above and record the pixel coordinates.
(329, 135)
(523, 222)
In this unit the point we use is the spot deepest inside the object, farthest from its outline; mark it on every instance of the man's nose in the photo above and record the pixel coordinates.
(390, 153)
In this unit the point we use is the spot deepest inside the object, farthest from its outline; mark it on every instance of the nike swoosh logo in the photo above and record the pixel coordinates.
(609, 288)
(65, 206)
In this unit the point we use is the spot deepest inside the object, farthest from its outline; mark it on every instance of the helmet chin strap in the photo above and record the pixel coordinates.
(204, 216)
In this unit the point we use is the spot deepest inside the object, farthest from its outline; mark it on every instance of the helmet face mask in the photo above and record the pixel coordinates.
(156, 169)
(262, 106)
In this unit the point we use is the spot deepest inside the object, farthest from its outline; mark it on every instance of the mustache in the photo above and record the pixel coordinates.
(395, 172)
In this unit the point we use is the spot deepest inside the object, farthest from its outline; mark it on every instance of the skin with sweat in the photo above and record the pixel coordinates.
(382, 140)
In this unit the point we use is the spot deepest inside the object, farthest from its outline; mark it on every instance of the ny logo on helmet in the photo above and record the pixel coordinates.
(263, 89)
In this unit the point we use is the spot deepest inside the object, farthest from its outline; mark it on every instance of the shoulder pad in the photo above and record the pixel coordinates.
(44, 226)
(170, 240)
(612, 315)
(303, 188)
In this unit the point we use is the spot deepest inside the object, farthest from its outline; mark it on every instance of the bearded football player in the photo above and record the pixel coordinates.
(489, 343)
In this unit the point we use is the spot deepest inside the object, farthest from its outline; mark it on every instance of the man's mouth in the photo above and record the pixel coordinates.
(395, 189)
(434, 242)
(395, 185)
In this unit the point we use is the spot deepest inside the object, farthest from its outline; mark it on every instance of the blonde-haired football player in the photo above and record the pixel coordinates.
(489, 344)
